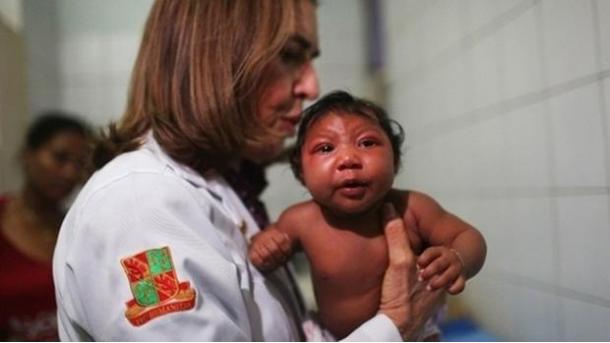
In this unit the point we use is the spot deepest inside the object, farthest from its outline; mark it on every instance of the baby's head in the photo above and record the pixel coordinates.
(341, 102)
(347, 153)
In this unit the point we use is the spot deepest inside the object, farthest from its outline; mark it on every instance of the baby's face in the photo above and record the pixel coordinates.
(347, 162)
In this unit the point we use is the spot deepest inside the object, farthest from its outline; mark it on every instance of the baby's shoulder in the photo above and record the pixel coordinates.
(403, 199)
(300, 210)
(299, 214)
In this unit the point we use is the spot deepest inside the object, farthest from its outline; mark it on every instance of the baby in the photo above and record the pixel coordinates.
(347, 154)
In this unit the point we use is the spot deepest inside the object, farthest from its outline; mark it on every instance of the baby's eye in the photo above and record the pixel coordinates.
(324, 148)
(368, 143)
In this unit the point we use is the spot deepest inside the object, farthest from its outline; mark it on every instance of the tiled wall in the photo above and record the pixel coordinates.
(81, 54)
(40, 19)
(506, 106)
(99, 43)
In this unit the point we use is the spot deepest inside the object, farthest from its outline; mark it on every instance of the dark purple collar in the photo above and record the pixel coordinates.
(249, 182)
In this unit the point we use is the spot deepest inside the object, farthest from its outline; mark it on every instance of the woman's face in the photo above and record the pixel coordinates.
(291, 79)
(56, 167)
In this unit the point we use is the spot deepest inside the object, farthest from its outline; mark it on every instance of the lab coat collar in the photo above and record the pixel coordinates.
(212, 181)
(184, 171)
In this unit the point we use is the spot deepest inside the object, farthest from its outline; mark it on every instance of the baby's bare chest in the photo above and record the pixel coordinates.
(339, 257)
(345, 258)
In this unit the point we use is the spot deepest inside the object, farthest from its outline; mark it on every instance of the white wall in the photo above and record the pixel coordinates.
(505, 105)
(98, 45)
(41, 44)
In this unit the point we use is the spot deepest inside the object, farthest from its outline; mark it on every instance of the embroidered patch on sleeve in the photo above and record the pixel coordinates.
(155, 286)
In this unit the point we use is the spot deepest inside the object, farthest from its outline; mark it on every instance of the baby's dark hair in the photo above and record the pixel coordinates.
(49, 124)
(343, 102)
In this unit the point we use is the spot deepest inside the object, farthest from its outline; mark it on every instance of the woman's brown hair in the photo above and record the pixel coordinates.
(197, 76)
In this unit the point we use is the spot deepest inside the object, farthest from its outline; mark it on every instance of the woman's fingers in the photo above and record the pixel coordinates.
(404, 300)
(400, 274)
(399, 247)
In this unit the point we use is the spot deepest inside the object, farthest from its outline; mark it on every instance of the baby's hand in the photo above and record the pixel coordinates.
(443, 267)
(270, 249)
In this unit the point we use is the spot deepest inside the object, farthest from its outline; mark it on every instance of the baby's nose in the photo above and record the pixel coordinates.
(349, 160)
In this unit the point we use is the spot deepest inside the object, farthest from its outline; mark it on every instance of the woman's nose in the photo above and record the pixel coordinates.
(307, 86)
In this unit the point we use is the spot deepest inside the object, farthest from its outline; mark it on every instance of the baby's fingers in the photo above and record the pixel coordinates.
(437, 266)
(255, 257)
(457, 286)
(444, 279)
(428, 256)
(272, 252)
(258, 258)
(283, 244)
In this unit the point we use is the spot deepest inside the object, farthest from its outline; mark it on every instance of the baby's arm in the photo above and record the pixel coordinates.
(276, 244)
(457, 250)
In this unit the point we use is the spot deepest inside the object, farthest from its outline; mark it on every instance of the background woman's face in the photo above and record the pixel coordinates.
(56, 167)
(291, 79)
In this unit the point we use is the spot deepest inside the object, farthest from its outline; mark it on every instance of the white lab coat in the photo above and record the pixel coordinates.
(144, 200)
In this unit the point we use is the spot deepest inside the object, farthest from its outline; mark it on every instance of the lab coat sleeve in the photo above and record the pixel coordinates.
(131, 216)
(377, 329)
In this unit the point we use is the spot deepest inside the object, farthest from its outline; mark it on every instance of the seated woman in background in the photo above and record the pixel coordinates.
(53, 159)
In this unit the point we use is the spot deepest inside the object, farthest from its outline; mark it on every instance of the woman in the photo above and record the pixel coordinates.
(155, 246)
(53, 159)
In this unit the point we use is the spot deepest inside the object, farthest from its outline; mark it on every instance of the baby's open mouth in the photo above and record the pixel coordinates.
(353, 188)
(353, 183)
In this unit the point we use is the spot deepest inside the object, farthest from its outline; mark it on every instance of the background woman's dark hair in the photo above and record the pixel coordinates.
(48, 124)
(343, 102)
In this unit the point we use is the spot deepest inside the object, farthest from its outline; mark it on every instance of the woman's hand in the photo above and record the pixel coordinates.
(403, 299)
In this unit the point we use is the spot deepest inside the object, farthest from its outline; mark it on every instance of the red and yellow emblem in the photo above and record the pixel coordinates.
(155, 286)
